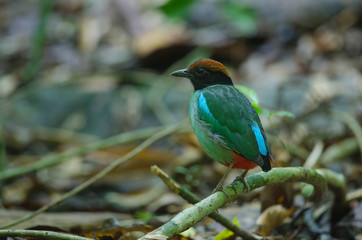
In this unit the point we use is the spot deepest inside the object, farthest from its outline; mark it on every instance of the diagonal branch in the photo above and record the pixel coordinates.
(161, 134)
(52, 160)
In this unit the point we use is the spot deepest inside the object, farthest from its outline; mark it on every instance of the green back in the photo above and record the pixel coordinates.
(231, 117)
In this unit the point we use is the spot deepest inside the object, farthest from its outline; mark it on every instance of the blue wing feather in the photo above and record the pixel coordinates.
(203, 104)
(260, 140)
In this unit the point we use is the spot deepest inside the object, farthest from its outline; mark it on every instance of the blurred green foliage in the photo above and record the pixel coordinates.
(250, 93)
(175, 9)
(253, 97)
(241, 16)
(237, 13)
(226, 233)
(144, 216)
(38, 42)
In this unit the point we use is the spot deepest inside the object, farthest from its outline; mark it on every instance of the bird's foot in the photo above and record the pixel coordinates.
(242, 178)
(219, 188)
(246, 185)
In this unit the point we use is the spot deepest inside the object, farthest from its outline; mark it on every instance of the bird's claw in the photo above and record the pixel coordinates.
(218, 188)
(242, 178)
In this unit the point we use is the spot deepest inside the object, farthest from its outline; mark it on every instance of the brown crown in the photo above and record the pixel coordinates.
(210, 64)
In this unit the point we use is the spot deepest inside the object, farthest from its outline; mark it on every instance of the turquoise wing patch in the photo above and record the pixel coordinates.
(203, 105)
(260, 140)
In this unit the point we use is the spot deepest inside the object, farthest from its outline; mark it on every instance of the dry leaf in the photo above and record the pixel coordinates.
(277, 194)
(271, 218)
(114, 232)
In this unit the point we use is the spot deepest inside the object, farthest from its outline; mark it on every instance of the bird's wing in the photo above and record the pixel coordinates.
(228, 114)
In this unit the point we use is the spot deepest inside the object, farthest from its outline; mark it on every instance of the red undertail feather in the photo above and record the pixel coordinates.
(242, 163)
(271, 161)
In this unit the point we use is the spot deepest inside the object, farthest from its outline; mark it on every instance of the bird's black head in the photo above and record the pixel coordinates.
(204, 73)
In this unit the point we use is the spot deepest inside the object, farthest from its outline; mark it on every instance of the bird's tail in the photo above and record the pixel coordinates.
(268, 162)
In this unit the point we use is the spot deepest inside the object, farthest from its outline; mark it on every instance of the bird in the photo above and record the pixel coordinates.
(224, 121)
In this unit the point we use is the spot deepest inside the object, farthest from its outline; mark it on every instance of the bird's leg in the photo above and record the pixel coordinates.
(222, 180)
(242, 178)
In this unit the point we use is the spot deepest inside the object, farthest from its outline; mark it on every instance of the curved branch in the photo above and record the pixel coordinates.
(191, 198)
(197, 212)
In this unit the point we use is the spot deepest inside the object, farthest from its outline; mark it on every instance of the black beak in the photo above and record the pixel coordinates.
(181, 73)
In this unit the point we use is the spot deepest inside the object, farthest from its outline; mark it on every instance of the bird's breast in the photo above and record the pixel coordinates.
(213, 144)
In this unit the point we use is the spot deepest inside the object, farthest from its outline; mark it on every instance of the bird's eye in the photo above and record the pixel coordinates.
(200, 71)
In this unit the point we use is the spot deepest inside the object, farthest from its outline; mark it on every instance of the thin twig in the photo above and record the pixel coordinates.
(161, 134)
(3, 159)
(354, 195)
(339, 150)
(59, 158)
(40, 235)
(314, 156)
(352, 123)
(58, 135)
(192, 198)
